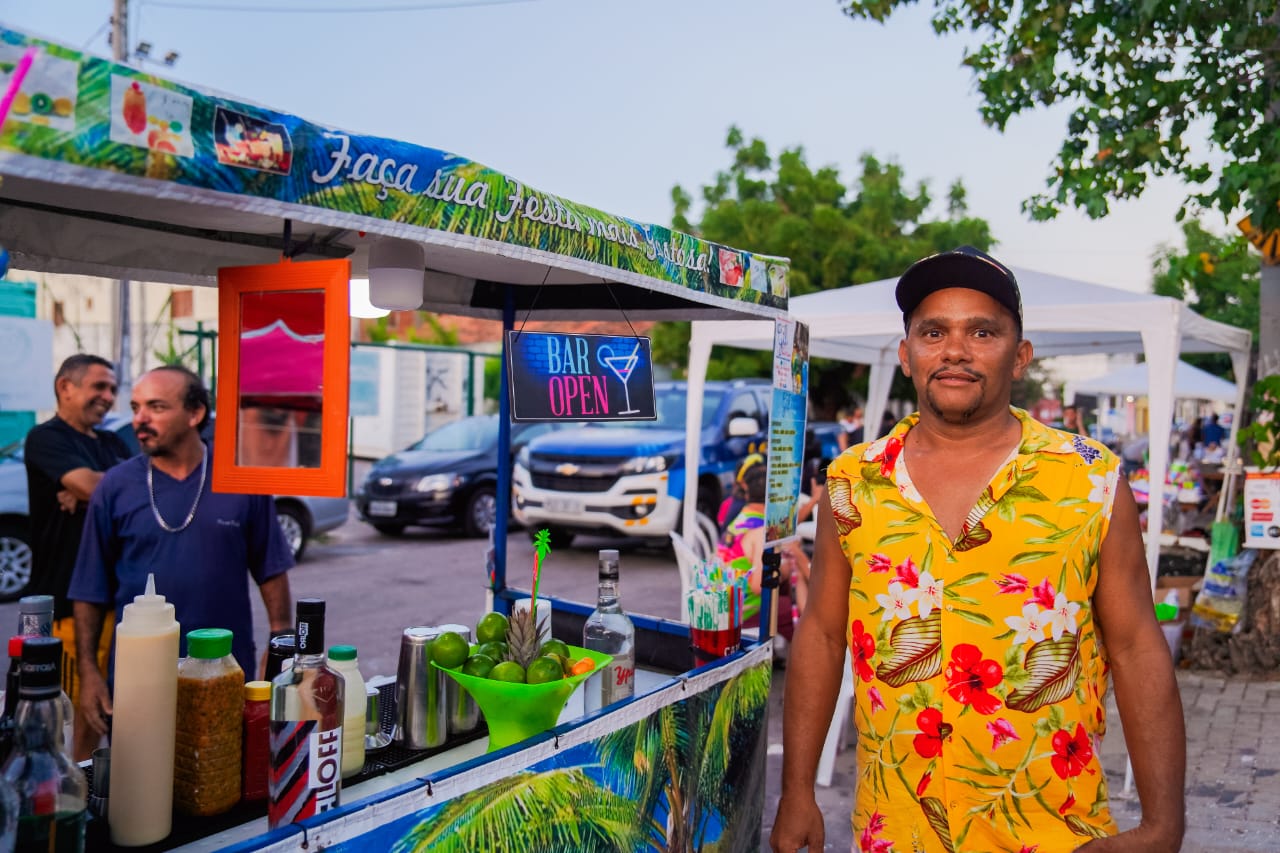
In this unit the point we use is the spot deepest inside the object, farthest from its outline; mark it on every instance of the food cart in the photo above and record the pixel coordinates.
(110, 171)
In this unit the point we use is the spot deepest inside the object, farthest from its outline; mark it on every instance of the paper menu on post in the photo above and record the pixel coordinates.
(787, 419)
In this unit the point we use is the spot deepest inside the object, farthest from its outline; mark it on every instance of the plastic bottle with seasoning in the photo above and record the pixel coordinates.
(256, 766)
(355, 698)
(144, 706)
(206, 759)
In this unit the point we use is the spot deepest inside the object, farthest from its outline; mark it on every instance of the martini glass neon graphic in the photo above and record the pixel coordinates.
(622, 366)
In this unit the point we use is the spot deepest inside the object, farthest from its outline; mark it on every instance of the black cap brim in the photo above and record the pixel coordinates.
(965, 267)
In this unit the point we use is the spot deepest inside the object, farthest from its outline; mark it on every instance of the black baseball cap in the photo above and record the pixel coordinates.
(966, 267)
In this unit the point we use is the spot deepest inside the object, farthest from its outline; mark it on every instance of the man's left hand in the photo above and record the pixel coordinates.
(66, 501)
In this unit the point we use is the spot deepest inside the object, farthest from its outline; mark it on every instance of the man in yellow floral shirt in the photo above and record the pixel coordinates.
(986, 575)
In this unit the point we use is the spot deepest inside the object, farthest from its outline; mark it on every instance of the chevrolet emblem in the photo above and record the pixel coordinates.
(567, 469)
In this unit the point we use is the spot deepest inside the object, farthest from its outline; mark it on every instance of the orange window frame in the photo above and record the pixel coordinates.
(333, 277)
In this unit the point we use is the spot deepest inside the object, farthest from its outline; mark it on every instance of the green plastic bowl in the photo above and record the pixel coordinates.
(515, 712)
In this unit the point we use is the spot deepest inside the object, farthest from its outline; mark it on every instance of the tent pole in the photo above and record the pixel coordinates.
(501, 603)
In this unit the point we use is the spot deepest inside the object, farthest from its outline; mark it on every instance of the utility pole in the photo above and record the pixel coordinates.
(124, 368)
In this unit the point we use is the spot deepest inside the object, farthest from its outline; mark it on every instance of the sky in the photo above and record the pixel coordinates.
(610, 104)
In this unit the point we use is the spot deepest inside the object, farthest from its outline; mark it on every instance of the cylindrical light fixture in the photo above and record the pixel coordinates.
(396, 274)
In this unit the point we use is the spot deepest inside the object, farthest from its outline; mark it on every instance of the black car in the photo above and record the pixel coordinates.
(447, 479)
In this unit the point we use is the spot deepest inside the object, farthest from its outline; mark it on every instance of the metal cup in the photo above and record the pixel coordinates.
(464, 713)
(98, 795)
(421, 710)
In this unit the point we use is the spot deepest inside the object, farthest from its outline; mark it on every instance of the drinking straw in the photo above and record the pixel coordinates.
(15, 81)
(541, 548)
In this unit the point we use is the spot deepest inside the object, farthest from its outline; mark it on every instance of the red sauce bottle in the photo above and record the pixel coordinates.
(257, 746)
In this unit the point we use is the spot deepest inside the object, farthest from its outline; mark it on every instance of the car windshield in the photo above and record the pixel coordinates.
(670, 405)
(465, 434)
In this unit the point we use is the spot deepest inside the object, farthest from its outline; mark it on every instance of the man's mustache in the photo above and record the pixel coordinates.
(974, 375)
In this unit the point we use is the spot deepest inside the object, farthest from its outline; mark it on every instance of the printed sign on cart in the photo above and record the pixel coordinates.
(1261, 508)
(787, 422)
(566, 377)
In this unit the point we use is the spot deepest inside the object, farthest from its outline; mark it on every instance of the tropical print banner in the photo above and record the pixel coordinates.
(689, 776)
(85, 111)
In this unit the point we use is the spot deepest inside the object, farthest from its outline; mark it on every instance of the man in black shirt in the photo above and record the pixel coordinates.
(65, 458)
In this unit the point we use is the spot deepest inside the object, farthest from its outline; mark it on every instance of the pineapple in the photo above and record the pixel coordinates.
(522, 636)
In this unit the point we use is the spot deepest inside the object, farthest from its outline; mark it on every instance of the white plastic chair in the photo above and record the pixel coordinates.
(839, 725)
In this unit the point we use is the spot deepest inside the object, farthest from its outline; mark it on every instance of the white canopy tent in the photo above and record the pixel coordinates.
(1061, 316)
(1189, 383)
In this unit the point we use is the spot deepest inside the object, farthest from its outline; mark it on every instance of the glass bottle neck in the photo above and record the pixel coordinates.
(607, 599)
(38, 724)
(308, 661)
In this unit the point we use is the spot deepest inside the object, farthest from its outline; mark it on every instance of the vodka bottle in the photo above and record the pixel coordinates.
(609, 630)
(51, 790)
(306, 727)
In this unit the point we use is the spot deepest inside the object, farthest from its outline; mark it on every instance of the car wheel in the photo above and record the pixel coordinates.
(559, 537)
(481, 512)
(15, 561)
(389, 529)
(293, 522)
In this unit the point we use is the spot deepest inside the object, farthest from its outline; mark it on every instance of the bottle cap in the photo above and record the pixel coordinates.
(310, 626)
(40, 671)
(609, 563)
(257, 691)
(149, 612)
(342, 653)
(15, 646)
(35, 604)
(209, 643)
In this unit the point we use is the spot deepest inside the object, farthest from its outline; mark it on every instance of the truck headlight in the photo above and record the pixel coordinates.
(647, 464)
(437, 483)
(522, 457)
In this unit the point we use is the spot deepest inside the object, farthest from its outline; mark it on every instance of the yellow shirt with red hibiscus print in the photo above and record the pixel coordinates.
(979, 670)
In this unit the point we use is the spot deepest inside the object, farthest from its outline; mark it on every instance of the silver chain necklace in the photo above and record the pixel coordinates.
(151, 493)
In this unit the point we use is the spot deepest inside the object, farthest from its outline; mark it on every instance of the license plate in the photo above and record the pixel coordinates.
(382, 509)
(566, 505)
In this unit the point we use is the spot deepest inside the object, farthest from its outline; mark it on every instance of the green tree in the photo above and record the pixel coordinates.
(1218, 277)
(1144, 82)
(834, 235)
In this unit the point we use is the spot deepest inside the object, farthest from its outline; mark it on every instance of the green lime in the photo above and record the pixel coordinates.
(495, 649)
(491, 627)
(478, 665)
(555, 647)
(449, 649)
(544, 669)
(508, 670)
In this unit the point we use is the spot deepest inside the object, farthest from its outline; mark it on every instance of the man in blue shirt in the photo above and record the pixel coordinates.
(157, 514)
(1214, 432)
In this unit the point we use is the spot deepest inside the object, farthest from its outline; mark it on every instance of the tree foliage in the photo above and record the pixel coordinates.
(1218, 278)
(1143, 79)
(835, 236)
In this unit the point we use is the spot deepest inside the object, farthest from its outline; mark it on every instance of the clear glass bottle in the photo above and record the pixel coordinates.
(609, 630)
(10, 698)
(306, 727)
(51, 790)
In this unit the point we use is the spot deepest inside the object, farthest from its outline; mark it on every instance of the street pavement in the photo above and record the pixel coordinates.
(1233, 768)
(376, 586)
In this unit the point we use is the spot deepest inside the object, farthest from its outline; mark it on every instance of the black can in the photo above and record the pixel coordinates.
(281, 648)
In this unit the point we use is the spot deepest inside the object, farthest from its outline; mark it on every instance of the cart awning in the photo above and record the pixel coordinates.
(111, 171)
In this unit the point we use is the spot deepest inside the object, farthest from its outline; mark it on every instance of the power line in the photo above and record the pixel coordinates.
(407, 7)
